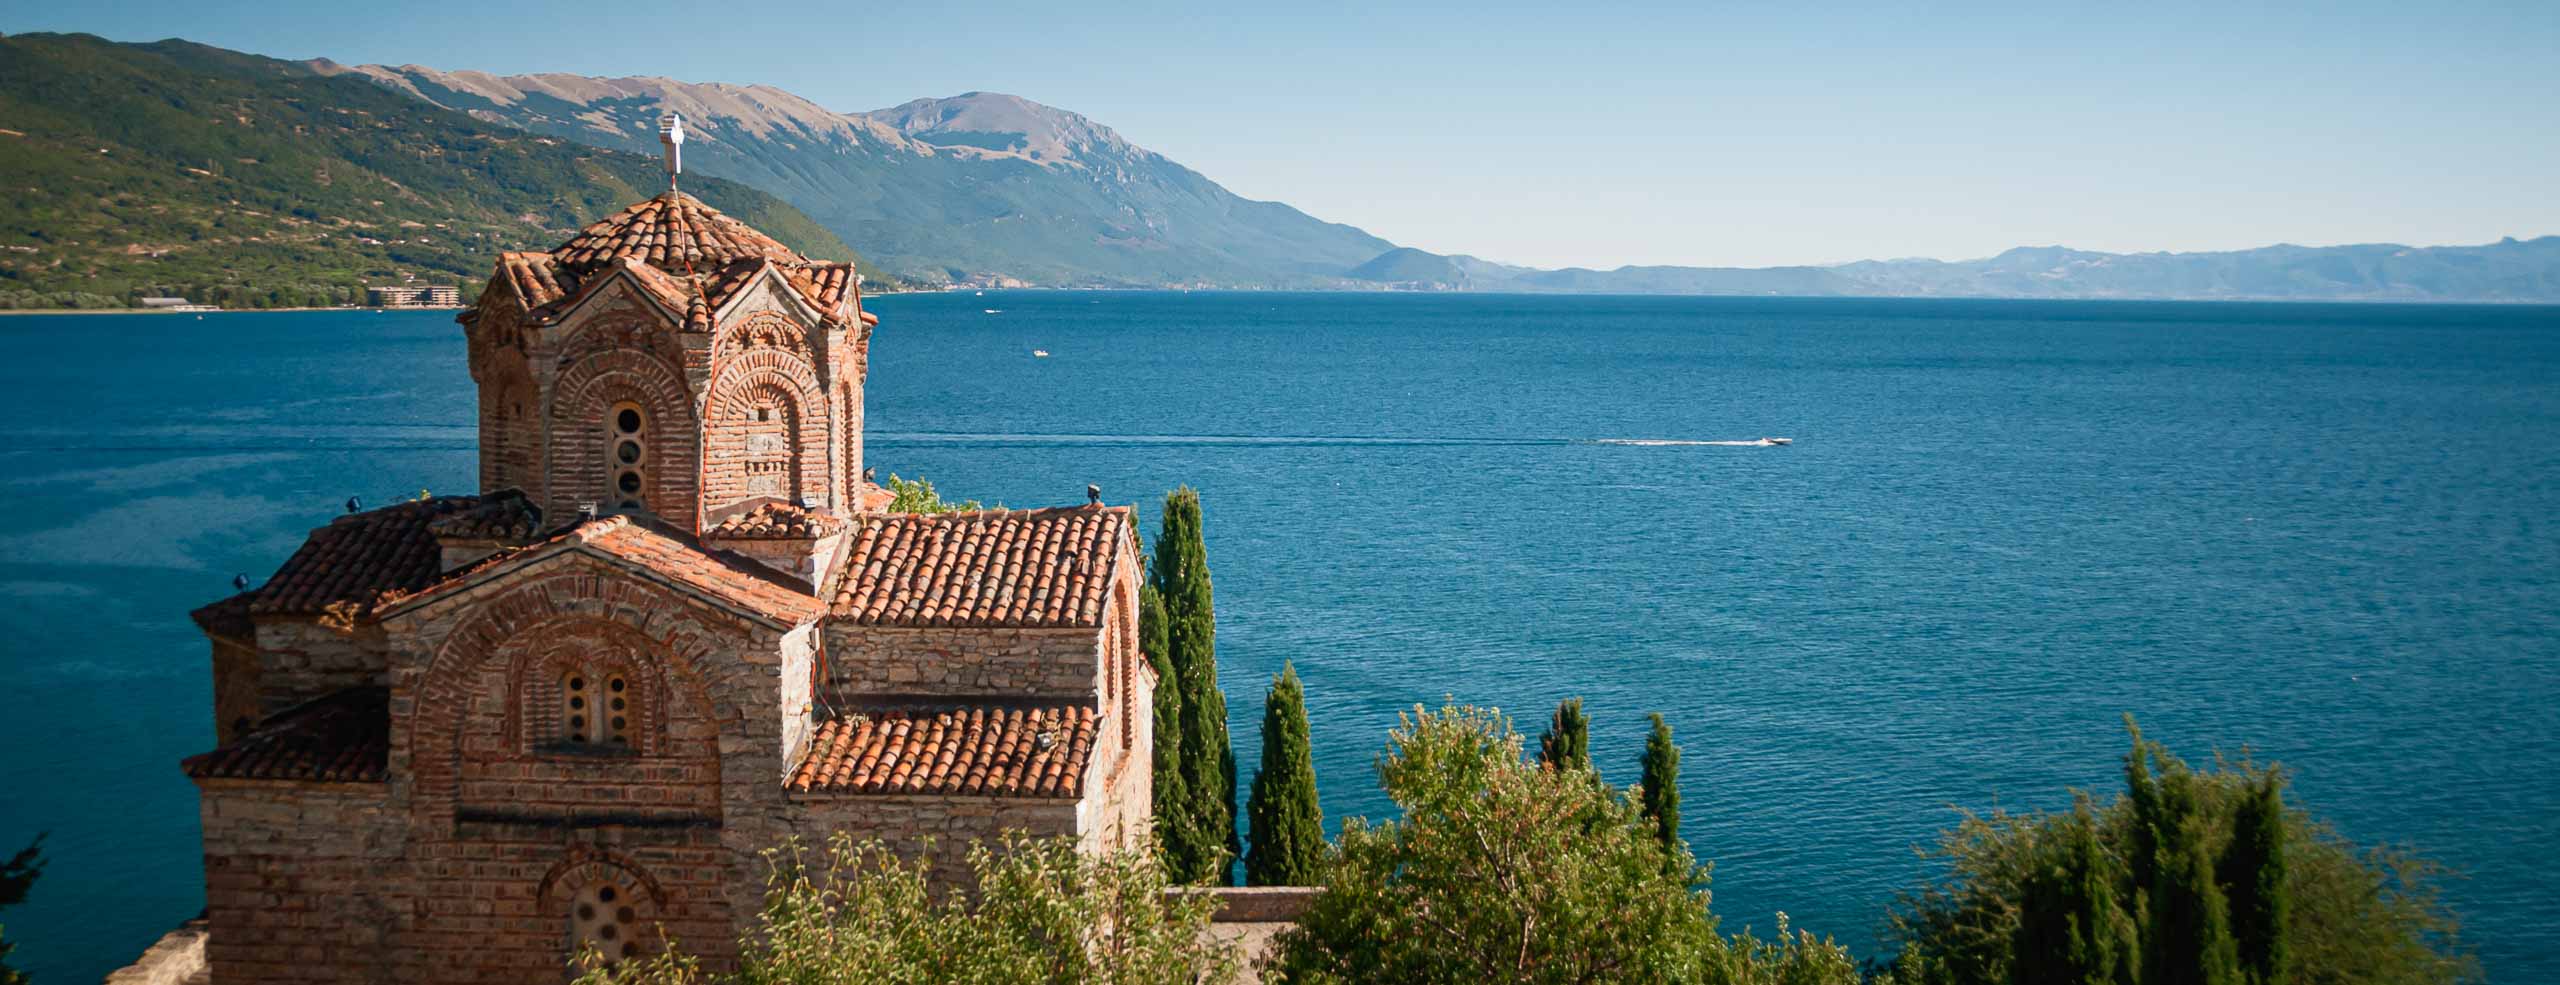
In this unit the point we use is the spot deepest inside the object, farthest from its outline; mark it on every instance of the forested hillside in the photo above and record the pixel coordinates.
(173, 168)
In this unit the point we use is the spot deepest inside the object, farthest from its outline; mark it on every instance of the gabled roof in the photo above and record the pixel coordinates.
(344, 737)
(776, 521)
(1047, 568)
(981, 749)
(348, 566)
(720, 577)
(667, 232)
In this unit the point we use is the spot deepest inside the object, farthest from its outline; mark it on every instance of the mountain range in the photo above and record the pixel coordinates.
(174, 168)
(980, 187)
(178, 167)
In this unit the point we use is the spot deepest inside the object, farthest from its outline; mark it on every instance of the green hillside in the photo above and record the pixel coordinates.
(174, 168)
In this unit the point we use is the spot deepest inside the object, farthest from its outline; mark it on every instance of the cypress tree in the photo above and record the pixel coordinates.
(2187, 934)
(2070, 929)
(1173, 828)
(2252, 877)
(1567, 742)
(1661, 772)
(1208, 761)
(1288, 826)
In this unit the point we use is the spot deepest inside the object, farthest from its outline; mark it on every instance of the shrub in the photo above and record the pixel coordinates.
(1040, 912)
(2350, 915)
(1497, 872)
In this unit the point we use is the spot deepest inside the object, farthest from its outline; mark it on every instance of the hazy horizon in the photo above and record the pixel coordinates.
(1735, 138)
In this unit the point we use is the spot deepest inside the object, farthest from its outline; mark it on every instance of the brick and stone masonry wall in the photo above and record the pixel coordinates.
(303, 881)
(300, 658)
(500, 826)
(944, 827)
(1017, 663)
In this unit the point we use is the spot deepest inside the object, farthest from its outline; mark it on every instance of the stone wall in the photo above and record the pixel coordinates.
(303, 881)
(938, 829)
(1017, 663)
(237, 702)
(302, 658)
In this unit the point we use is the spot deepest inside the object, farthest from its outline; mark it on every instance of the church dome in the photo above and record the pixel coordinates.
(668, 232)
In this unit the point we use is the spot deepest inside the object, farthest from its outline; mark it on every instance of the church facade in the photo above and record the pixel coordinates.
(461, 738)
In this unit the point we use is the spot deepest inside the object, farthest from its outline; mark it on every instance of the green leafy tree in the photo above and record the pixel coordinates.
(1661, 789)
(2353, 915)
(1171, 802)
(1035, 911)
(2070, 929)
(1181, 576)
(919, 496)
(17, 875)
(1567, 742)
(2253, 881)
(1288, 826)
(1497, 872)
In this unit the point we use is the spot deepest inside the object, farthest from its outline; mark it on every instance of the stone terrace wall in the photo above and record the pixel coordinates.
(302, 881)
(1012, 663)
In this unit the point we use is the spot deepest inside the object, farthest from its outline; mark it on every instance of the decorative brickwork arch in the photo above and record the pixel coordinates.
(768, 414)
(706, 682)
(623, 330)
(762, 330)
(601, 898)
(583, 682)
(583, 401)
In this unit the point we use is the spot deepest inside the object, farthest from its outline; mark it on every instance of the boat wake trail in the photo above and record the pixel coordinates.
(1675, 443)
(950, 438)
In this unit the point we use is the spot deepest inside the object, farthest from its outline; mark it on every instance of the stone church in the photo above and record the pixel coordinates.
(462, 737)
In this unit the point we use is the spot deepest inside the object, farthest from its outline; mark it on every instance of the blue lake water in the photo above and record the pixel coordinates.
(2324, 532)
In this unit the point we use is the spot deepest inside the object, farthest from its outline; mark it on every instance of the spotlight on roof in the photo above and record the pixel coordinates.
(354, 505)
(1092, 494)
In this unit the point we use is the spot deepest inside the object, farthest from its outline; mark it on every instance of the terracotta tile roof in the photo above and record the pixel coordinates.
(344, 737)
(824, 284)
(537, 278)
(507, 514)
(776, 521)
(229, 617)
(348, 566)
(984, 750)
(718, 574)
(668, 554)
(1031, 568)
(666, 232)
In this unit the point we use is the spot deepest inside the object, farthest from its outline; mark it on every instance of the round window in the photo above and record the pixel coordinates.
(629, 483)
(628, 452)
(627, 421)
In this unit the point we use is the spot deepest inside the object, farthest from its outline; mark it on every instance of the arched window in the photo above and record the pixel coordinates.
(626, 431)
(597, 707)
(605, 915)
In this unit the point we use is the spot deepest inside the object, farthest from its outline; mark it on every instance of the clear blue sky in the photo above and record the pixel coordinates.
(1557, 133)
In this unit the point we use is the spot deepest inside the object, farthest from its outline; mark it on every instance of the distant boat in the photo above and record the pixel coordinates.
(982, 294)
(1777, 441)
(1039, 353)
(994, 310)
